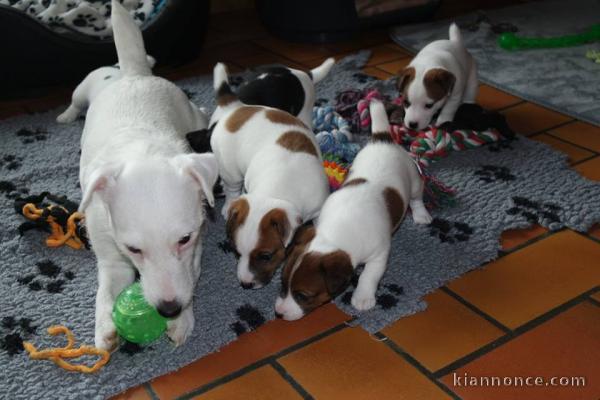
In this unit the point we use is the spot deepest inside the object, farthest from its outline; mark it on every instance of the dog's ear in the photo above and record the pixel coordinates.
(278, 220)
(204, 170)
(405, 77)
(236, 215)
(101, 181)
(302, 237)
(438, 83)
(337, 272)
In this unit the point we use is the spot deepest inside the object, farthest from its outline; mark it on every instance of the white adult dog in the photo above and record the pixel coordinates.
(355, 227)
(143, 190)
(441, 77)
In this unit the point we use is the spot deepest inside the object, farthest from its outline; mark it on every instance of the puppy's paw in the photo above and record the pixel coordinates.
(106, 337)
(68, 116)
(225, 209)
(421, 216)
(181, 327)
(363, 301)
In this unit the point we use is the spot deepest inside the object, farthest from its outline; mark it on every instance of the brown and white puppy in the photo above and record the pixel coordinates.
(441, 77)
(355, 227)
(275, 159)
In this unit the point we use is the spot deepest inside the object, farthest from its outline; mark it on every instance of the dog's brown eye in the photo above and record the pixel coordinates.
(265, 256)
(428, 105)
(302, 297)
(185, 239)
(406, 103)
(134, 250)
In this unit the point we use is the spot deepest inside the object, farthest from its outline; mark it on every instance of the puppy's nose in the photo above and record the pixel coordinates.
(278, 315)
(247, 285)
(413, 125)
(169, 309)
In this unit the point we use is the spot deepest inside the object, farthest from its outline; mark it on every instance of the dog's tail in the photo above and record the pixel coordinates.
(317, 74)
(380, 125)
(224, 94)
(454, 33)
(129, 42)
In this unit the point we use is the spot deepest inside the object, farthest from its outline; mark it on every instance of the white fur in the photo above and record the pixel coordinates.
(271, 176)
(142, 188)
(452, 56)
(355, 219)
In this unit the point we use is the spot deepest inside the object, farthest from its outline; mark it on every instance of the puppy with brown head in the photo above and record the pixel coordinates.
(355, 227)
(273, 158)
(441, 77)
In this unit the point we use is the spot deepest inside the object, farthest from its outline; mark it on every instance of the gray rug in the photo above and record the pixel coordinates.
(506, 185)
(560, 79)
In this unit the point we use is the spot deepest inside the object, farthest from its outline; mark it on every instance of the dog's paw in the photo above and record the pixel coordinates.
(106, 337)
(68, 116)
(363, 301)
(181, 328)
(225, 209)
(421, 216)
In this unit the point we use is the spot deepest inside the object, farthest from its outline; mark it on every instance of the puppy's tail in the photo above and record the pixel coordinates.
(454, 33)
(129, 42)
(224, 94)
(380, 125)
(317, 74)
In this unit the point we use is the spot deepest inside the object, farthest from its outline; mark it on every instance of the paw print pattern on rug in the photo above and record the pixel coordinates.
(535, 212)
(493, 173)
(189, 93)
(249, 319)
(48, 276)
(11, 162)
(363, 78)
(449, 231)
(83, 20)
(386, 295)
(32, 135)
(12, 333)
(131, 348)
(12, 191)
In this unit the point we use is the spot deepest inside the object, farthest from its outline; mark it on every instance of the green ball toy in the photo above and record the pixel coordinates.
(135, 319)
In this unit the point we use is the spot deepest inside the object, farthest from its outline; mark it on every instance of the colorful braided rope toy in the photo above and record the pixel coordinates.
(510, 41)
(59, 355)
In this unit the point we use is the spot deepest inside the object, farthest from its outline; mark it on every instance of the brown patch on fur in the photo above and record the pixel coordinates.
(281, 117)
(269, 252)
(381, 137)
(303, 236)
(320, 277)
(224, 95)
(239, 117)
(405, 77)
(297, 142)
(236, 216)
(438, 83)
(395, 206)
(354, 182)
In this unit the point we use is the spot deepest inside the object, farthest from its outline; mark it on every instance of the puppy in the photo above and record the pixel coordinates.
(143, 191)
(355, 227)
(275, 159)
(96, 81)
(287, 89)
(441, 77)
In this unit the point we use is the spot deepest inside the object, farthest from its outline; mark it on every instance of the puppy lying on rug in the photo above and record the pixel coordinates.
(274, 158)
(135, 162)
(355, 227)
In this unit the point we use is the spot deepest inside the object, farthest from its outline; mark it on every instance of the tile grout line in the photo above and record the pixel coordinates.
(150, 391)
(535, 133)
(583, 160)
(476, 310)
(518, 103)
(415, 363)
(571, 143)
(529, 242)
(588, 236)
(520, 330)
(262, 362)
(594, 301)
(290, 379)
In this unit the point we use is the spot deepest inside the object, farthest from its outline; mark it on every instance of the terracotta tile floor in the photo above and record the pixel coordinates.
(533, 312)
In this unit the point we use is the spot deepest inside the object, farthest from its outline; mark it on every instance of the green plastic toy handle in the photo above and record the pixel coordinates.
(510, 41)
(135, 319)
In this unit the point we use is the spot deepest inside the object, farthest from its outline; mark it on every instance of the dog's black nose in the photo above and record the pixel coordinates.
(413, 125)
(278, 315)
(247, 285)
(169, 309)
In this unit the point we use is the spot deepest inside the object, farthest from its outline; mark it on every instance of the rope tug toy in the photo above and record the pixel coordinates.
(61, 220)
(57, 355)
